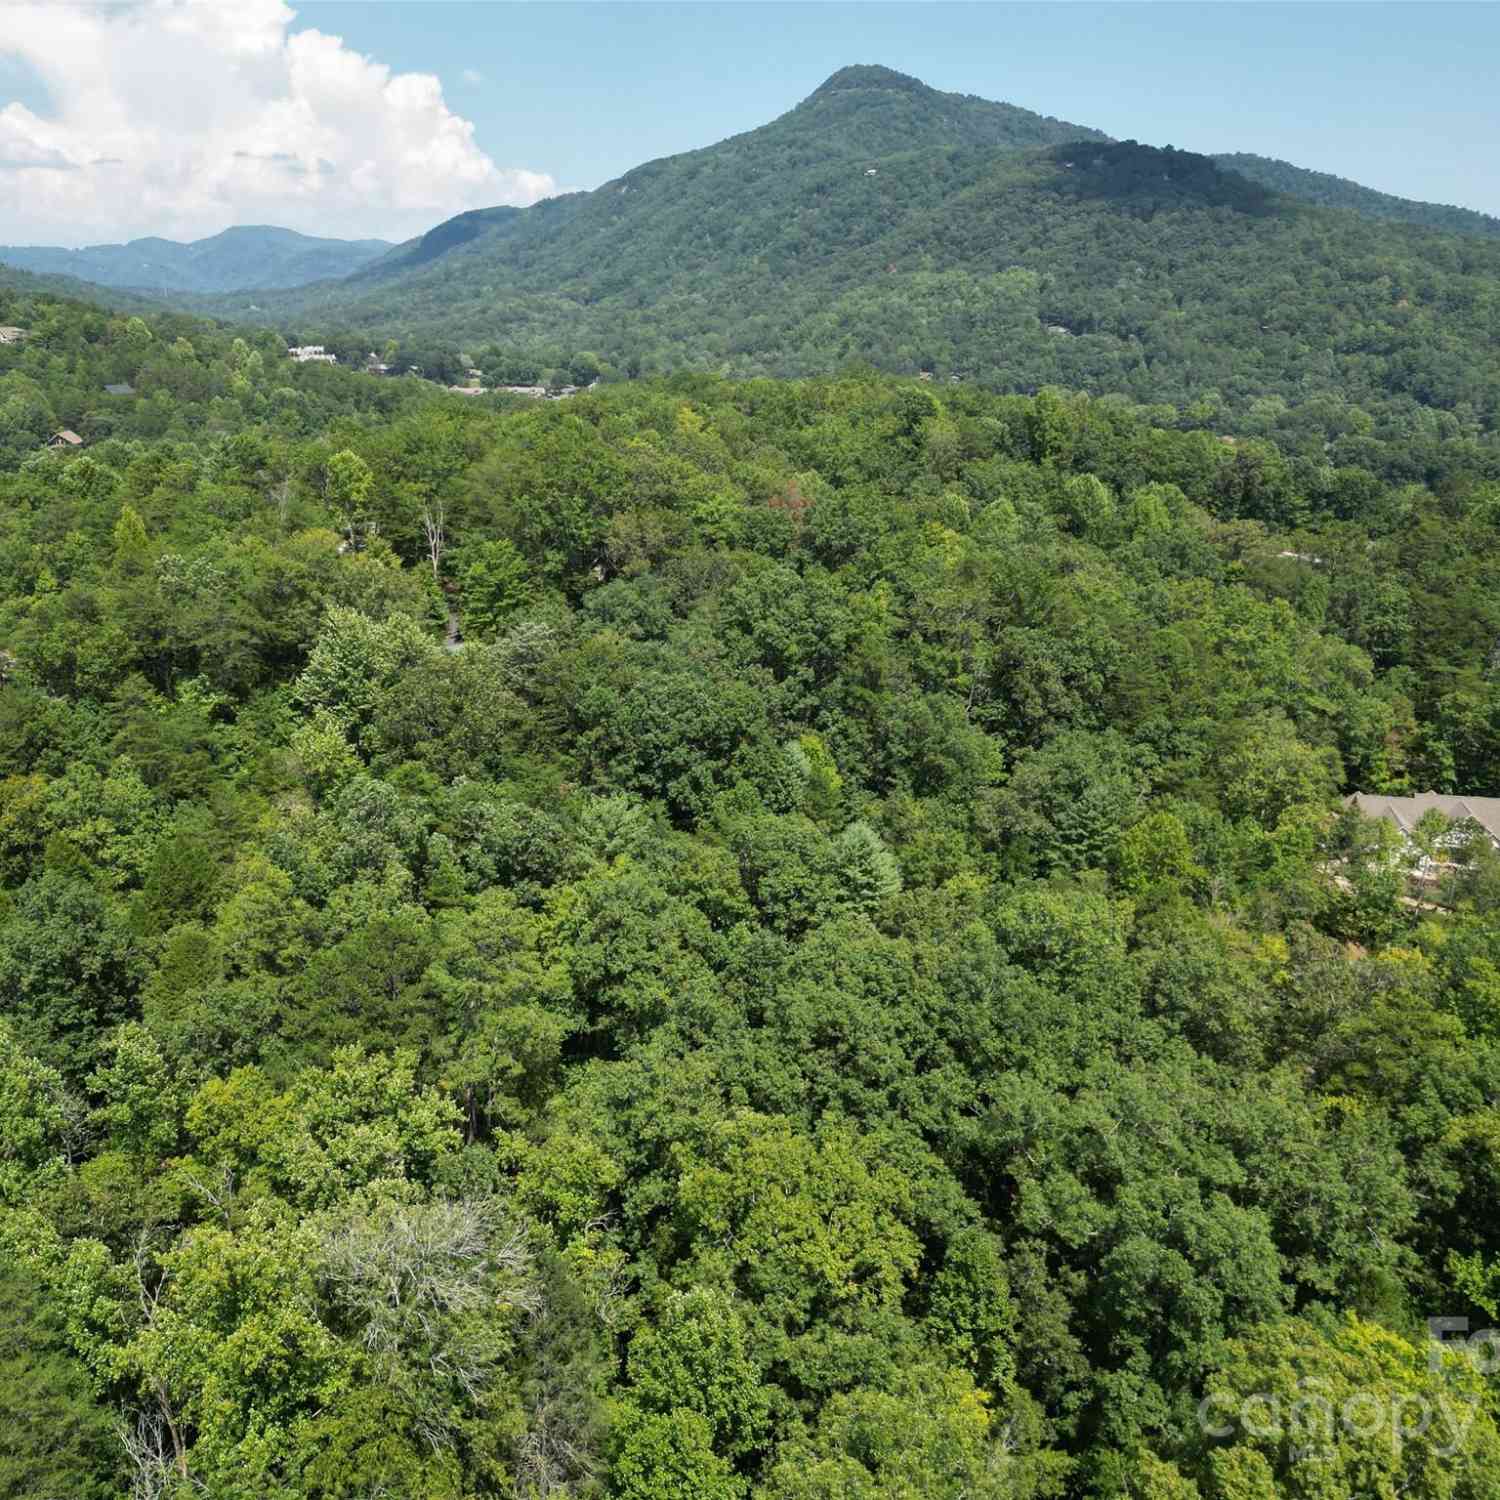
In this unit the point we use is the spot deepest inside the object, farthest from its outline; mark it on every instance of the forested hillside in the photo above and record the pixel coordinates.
(883, 221)
(766, 940)
(106, 375)
(16, 283)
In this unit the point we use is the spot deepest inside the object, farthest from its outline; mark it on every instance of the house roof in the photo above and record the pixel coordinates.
(1406, 812)
(68, 436)
(121, 388)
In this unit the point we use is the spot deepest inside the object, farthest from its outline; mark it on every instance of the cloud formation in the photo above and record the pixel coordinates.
(182, 117)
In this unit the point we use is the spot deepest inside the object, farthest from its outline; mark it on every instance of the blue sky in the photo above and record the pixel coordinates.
(352, 119)
(1400, 97)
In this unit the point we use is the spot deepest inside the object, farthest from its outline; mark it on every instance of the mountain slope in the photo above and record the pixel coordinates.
(1329, 191)
(881, 220)
(241, 258)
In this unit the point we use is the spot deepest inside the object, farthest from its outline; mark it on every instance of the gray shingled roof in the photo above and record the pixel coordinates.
(1406, 812)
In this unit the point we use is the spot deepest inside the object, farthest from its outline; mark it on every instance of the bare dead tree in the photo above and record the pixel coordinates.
(153, 1467)
(434, 528)
(550, 1460)
(219, 1194)
(610, 1289)
(149, 1290)
(423, 1284)
(76, 1130)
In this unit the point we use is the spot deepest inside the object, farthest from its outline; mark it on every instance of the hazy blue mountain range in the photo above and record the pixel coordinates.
(249, 256)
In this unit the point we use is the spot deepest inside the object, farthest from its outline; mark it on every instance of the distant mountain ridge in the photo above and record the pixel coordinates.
(1329, 191)
(243, 258)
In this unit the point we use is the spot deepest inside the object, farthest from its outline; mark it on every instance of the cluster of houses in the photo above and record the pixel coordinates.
(474, 384)
(65, 437)
(476, 387)
(535, 392)
(317, 354)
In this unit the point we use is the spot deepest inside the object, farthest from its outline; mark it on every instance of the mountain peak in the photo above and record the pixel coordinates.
(869, 76)
(868, 110)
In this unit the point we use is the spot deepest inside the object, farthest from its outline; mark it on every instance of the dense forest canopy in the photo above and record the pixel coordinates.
(735, 940)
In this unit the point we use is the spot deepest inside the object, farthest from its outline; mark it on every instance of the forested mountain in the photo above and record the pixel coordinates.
(237, 259)
(881, 220)
(1339, 192)
(733, 940)
(859, 115)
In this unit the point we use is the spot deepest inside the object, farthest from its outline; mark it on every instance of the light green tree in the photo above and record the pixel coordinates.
(347, 483)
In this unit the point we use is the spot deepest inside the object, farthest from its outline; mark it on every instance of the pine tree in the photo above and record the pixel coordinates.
(867, 869)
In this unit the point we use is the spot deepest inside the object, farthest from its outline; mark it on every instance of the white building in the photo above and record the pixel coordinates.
(312, 354)
(1467, 817)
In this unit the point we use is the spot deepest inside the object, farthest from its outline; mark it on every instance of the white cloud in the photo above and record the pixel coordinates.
(181, 117)
(473, 75)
